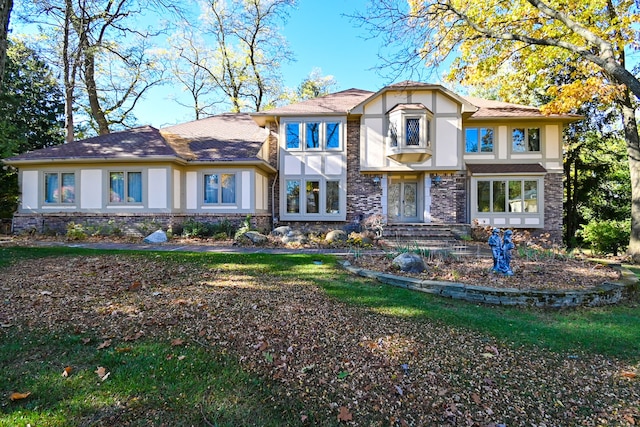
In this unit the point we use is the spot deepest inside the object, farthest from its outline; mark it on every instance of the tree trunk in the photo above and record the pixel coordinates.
(633, 153)
(5, 14)
(92, 92)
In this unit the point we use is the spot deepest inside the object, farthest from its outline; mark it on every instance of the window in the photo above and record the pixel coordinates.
(319, 198)
(293, 196)
(292, 131)
(393, 135)
(413, 132)
(333, 197)
(313, 135)
(525, 140)
(59, 187)
(508, 196)
(333, 135)
(478, 140)
(125, 187)
(220, 188)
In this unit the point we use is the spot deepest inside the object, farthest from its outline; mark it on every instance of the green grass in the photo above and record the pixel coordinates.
(178, 385)
(189, 384)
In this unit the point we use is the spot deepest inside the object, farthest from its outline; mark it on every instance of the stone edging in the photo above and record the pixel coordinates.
(607, 293)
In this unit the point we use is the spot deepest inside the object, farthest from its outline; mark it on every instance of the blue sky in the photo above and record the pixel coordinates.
(320, 36)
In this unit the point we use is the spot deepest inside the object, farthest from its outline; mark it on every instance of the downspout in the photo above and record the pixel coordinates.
(274, 219)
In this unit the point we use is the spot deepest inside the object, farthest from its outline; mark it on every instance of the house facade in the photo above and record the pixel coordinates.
(411, 152)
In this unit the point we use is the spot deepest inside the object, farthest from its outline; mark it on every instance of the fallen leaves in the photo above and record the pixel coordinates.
(67, 371)
(377, 367)
(19, 396)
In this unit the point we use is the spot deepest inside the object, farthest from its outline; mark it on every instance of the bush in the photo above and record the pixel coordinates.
(607, 237)
(76, 231)
(192, 228)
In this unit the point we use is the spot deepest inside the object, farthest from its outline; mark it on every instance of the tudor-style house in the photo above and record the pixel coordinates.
(413, 153)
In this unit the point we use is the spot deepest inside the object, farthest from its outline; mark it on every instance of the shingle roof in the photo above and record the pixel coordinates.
(227, 137)
(485, 168)
(497, 109)
(336, 103)
(134, 143)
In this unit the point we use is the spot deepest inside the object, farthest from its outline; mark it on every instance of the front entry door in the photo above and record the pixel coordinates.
(403, 201)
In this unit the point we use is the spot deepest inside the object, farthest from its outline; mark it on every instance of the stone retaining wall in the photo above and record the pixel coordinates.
(605, 294)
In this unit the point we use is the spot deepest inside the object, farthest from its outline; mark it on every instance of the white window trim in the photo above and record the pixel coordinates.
(479, 135)
(322, 133)
(526, 139)
(220, 204)
(399, 118)
(126, 172)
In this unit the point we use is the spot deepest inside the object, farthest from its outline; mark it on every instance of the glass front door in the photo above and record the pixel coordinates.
(403, 201)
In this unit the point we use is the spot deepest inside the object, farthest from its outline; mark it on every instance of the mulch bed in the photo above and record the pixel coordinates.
(347, 364)
(544, 273)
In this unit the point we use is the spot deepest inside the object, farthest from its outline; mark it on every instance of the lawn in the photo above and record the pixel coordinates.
(99, 338)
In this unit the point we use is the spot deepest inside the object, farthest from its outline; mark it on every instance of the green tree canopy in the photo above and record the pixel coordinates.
(31, 114)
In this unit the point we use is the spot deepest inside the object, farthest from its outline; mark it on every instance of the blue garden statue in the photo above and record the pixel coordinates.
(501, 251)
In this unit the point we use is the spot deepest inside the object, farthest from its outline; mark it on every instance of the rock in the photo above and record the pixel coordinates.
(281, 231)
(336, 236)
(295, 237)
(409, 262)
(156, 237)
(255, 237)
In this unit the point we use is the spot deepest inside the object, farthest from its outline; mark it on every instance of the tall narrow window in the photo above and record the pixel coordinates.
(413, 132)
(313, 135)
(313, 196)
(333, 135)
(125, 187)
(60, 187)
(393, 134)
(292, 131)
(333, 197)
(484, 196)
(293, 196)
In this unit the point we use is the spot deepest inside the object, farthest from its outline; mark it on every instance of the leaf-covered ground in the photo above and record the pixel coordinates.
(347, 364)
(544, 273)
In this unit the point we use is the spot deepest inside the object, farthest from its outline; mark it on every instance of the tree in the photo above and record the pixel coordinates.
(248, 50)
(102, 45)
(5, 15)
(31, 114)
(521, 37)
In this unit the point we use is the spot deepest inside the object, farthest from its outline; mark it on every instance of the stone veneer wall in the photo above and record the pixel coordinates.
(553, 206)
(130, 224)
(448, 200)
(364, 197)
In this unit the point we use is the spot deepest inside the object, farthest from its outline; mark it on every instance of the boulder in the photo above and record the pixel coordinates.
(255, 237)
(156, 237)
(336, 236)
(294, 237)
(281, 231)
(409, 262)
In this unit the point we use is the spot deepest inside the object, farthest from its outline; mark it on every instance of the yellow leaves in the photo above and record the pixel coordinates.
(571, 96)
(19, 396)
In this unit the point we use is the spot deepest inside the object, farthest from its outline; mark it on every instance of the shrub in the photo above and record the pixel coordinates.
(76, 231)
(607, 237)
(192, 228)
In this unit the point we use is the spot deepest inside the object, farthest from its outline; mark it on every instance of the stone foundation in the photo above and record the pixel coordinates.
(126, 224)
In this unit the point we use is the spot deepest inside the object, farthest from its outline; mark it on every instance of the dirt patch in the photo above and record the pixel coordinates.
(341, 361)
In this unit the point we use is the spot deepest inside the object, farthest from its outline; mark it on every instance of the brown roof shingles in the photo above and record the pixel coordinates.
(486, 168)
(497, 109)
(142, 142)
(335, 103)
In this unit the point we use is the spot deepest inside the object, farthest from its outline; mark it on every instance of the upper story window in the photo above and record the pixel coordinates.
(125, 187)
(525, 140)
(478, 140)
(409, 126)
(220, 188)
(314, 135)
(59, 187)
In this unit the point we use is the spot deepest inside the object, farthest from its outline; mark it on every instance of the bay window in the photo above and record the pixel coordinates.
(59, 187)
